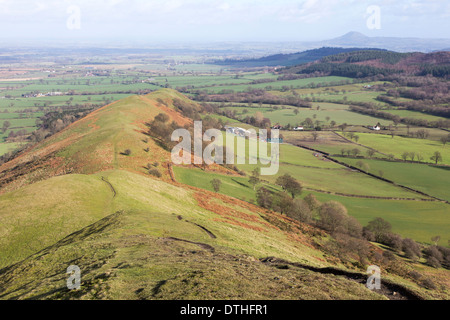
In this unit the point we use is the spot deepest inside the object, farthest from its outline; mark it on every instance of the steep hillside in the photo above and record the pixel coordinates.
(97, 142)
(78, 199)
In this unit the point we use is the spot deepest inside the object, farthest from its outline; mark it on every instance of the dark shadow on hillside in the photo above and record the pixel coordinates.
(240, 183)
(441, 167)
(393, 291)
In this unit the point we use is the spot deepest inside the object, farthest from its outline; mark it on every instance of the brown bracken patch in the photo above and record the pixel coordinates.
(174, 115)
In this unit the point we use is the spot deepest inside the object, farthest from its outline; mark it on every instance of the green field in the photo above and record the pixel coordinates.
(361, 96)
(433, 180)
(201, 81)
(278, 85)
(414, 219)
(237, 187)
(8, 147)
(326, 113)
(415, 115)
(327, 141)
(321, 174)
(398, 145)
(342, 181)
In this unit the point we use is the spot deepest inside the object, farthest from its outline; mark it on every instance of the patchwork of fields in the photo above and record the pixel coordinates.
(365, 197)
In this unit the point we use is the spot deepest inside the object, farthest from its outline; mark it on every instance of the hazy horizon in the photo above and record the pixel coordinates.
(201, 21)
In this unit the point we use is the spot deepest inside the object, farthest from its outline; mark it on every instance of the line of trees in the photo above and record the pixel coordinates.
(380, 230)
(397, 119)
(347, 70)
(257, 96)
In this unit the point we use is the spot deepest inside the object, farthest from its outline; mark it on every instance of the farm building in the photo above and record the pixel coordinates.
(240, 132)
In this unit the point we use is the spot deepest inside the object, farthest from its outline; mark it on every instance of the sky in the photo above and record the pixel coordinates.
(220, 20)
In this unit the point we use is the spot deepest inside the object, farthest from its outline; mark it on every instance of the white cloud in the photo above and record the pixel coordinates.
(183, 16)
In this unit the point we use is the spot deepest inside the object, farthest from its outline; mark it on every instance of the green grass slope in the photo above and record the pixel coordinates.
(151, 246)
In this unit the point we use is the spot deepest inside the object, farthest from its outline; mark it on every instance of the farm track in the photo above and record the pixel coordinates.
(210, 234)
(200, 244)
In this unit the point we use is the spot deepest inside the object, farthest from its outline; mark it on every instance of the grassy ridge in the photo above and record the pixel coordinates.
(39, 215)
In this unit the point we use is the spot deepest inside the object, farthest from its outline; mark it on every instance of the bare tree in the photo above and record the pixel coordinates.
(216, 183)
(254, 178)
(355, 152)
(422, 134)
(289, 184)
(436, 157)
(436, 239)
(411, 249)
(380, 228)
(343, 126)
(370, 153)
(264, 198)
(405, 155)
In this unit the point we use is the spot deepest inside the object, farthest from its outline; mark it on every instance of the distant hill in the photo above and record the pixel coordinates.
(308, 51)
(286, 60)
(356, 39)
(364, 63)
